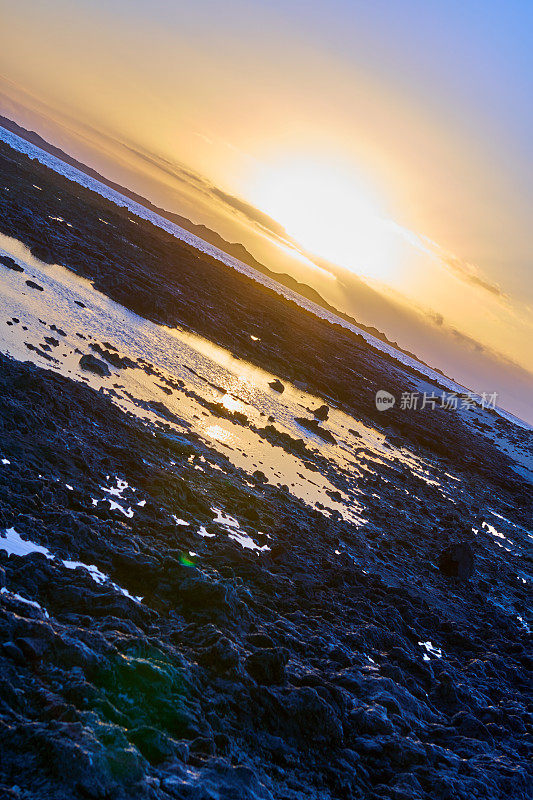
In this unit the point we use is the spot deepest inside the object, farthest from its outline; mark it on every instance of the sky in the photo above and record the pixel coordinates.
(379, 151)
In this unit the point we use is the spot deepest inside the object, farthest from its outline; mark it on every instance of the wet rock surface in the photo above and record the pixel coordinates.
(145, 653)
(314, 426)
(167, 280)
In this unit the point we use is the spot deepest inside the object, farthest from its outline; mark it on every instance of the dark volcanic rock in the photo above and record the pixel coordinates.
(111, 356)
(268, 665)
(321, 413)
(34, 285)
(154, 745)
(313, 425)
(457, 561)
(92, 364)
(399, 684)
(277, 386)
(42, 252)
(10, 263)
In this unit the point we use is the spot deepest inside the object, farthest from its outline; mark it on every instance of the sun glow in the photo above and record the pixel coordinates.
(333, 213)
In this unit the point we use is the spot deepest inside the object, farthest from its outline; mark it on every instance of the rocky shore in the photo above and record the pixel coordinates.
(174, 626)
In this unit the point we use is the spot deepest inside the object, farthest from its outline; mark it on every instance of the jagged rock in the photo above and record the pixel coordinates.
(313, 719)
(118, 361)
(154, 745)
(314, 426)
(277, 386)
(222, 656)
(396, 686)
(267, 665)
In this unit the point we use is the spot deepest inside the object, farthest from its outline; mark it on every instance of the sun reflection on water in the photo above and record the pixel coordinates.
(231, 403)
(219, 433)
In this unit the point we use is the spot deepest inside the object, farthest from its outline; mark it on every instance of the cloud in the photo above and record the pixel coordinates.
(253, 214)
(231, 203)
(469, 341)
(437, 319)
(462, 269)
(469, 273)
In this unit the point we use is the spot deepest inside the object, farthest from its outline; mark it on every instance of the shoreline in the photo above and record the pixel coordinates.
(333, 316)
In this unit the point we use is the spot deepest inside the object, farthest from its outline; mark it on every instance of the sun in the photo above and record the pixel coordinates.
(332, 212)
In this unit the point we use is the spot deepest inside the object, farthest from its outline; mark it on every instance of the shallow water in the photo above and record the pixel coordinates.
(200, 387)
(15, 544)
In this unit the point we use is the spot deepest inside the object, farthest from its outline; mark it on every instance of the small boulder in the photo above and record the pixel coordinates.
(34, 285)
(259, 476)
(92, 364)
(457, 561)
(222, 656)
(277, 386)
(321, 413)
(10, 263)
